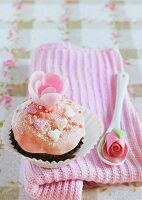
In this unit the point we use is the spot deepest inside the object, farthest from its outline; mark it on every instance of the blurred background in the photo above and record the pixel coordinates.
(99, 24)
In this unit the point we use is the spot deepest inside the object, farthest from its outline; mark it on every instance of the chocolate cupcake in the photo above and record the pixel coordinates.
(48, 126)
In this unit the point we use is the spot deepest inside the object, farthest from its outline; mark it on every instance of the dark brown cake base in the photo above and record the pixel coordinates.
(44, 156)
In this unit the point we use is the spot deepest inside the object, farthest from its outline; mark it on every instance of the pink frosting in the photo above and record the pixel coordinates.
(114, 148)
(47, 89)
(36, 133)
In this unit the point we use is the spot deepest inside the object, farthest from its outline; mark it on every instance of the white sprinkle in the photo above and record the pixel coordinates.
(54, 135)
(69, 112)
(61, 123)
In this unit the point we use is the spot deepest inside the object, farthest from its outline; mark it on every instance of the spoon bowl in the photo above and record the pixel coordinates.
(99, 151)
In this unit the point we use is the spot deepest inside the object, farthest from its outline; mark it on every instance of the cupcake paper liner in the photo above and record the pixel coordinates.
(93, 130)
(44, 156)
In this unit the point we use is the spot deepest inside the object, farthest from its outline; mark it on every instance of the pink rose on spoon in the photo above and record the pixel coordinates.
(47, 89)
(115, 148)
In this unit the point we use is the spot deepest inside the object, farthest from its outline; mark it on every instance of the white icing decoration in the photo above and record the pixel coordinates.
(54, 135)
(69, 112)
(61, 123)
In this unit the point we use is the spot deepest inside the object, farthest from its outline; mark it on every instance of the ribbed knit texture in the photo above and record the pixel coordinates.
(92, 78)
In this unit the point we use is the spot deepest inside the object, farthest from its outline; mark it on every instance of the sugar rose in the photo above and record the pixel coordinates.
(47, 89)
(115, 146)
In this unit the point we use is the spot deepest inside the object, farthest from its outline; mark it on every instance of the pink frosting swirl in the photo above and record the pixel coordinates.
(115, 147)
(46, 89)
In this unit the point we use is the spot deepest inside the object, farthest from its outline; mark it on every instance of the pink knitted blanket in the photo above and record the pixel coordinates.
(92, 78)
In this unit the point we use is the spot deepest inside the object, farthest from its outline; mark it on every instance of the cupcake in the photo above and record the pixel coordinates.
(48, 126)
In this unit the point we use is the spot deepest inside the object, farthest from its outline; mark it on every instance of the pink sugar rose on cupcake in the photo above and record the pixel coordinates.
(115, 146)
(47, 89)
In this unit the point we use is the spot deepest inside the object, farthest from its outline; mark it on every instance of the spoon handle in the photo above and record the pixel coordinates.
(122, 82)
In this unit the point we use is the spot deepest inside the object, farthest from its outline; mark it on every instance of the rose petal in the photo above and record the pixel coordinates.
(41, 89)
(55, 81)
(32, 93)
(48, 90)
(112, 158)
(37, 75)
(37, 87)
(110, 139)
(116, 149)
(50, 99)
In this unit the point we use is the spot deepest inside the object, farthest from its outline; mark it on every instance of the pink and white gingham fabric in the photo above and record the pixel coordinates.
(92, 78)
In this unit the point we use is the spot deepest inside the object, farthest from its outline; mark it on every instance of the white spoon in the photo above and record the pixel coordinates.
(122, 82)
